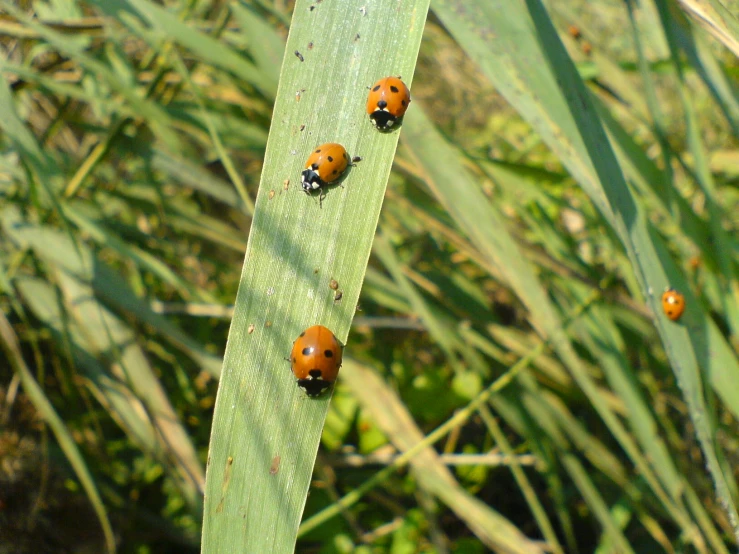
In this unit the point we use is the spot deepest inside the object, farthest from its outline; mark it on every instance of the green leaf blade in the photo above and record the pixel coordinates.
(296, 246)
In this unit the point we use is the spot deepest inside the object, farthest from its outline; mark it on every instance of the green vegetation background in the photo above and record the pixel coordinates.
(510, 382)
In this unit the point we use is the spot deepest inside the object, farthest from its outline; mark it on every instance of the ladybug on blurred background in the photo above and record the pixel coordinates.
(315, 360)
(673, 304)
(387, 102)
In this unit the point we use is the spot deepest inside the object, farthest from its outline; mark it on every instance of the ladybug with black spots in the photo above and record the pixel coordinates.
(673, 304)
(326, 164)
(315, 360)
(387, 102)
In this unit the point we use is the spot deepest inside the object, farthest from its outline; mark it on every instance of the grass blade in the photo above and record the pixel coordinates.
(393, 418)
(518, 49)
(295, 248)
(714, 17)
(66, 442)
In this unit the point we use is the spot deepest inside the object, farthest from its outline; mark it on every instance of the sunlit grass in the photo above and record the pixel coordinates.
(535, 211)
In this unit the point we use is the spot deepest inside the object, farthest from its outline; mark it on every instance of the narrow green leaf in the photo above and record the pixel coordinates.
(599, 334)
(592, 496)
(378, 399)
(57, 249)
(140, 257)
(296, 245)
(64, 438)
(702, 59)
(128, 388)
(168, 25)
(262, 41)
(106, 335)
(195, 176)
(156, 116)
(15, 129)
(719, 237)
(44, 302)
(518, 49)
(717, 19)
(385, 254)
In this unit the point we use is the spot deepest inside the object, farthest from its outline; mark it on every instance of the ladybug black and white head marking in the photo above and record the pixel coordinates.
(314, 385)
(382, 119)
(326, 165)
(311, 179)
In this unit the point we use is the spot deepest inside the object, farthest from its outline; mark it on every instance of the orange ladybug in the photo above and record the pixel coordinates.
(387, 102)
(326, 164)
(315, 360)
(673, 304)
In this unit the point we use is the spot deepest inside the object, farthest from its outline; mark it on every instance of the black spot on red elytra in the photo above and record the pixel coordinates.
(315, 373)
(376, 88)
(394, 89)
(307, 351)
(328, 354)
(330, 159)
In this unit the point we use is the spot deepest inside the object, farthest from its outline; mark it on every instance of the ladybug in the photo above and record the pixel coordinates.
(325, 165)
(387, 102)
(673, 304)
(315, 360)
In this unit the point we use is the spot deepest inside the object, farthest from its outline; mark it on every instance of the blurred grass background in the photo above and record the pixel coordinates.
(502, 306)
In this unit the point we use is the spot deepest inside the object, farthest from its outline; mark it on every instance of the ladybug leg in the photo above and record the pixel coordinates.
(321, 196)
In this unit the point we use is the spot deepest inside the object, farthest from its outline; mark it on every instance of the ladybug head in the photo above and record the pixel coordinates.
(311, 180)
(314, 387)
(382, 120)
